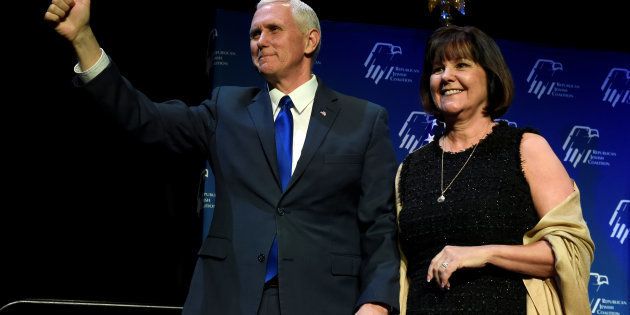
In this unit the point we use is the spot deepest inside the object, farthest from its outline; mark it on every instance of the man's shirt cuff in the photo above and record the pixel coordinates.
(89, 74)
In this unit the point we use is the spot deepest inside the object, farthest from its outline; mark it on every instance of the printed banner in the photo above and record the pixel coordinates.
(578, 100)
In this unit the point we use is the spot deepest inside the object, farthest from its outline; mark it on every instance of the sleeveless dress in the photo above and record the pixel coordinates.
(488, 203)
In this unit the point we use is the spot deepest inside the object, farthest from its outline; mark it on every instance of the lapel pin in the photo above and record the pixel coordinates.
(323, 113)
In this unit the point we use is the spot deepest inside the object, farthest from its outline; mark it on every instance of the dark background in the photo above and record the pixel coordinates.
(89, 214)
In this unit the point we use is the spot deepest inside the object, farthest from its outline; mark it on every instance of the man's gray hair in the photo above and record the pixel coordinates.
(304, 16)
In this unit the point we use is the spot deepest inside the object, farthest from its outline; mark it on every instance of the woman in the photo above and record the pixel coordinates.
(489, 219)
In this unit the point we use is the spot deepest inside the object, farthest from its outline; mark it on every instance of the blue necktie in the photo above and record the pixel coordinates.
(284, 145)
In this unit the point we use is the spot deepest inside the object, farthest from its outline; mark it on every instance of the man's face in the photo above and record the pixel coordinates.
(277, 45)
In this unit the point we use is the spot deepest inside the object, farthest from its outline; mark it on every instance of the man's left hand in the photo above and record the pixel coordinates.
(372, 309)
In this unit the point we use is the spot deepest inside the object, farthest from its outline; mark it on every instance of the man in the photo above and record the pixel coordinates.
(300, 227)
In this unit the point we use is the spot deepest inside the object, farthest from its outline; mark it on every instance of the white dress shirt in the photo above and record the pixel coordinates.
(302, 98)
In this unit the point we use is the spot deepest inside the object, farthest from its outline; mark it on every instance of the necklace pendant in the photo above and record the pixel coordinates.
(441, 198)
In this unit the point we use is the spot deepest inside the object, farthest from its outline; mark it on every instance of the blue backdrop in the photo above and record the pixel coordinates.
(579, 101)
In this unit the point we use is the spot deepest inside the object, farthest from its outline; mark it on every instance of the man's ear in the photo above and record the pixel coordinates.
(312, 41)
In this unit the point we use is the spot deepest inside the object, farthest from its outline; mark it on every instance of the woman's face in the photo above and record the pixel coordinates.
(459, 86)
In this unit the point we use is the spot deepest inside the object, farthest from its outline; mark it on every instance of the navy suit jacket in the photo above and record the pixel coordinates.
(335, 223)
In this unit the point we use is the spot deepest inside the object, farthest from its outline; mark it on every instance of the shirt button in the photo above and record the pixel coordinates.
(281, 211)
(261, 257)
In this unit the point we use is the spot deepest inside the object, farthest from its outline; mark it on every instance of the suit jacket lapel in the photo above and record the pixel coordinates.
(260, 112)
(325, 110)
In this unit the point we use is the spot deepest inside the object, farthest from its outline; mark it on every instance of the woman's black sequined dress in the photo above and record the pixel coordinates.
(488, 203)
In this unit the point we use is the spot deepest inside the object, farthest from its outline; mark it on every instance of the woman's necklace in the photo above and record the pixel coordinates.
(441, 198)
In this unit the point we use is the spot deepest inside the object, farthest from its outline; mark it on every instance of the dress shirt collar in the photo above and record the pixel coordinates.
(301, 97)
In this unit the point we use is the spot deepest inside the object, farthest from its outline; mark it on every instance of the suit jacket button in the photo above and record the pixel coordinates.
(261, 257)
(281, 211)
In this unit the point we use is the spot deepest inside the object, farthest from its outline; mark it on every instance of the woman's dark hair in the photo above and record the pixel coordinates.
(455, 42)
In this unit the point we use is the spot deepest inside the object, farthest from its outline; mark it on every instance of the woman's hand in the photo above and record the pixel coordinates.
(453, 258)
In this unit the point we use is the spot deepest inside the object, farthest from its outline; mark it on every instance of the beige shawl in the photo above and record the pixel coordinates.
(565, 229)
